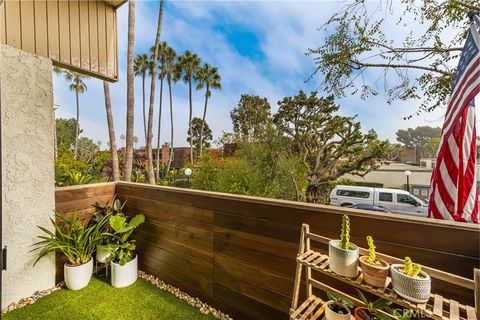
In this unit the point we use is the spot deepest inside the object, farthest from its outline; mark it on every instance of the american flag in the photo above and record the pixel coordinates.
(454, 191)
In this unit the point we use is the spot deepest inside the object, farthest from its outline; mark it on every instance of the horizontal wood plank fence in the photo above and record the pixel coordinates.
(238, 253)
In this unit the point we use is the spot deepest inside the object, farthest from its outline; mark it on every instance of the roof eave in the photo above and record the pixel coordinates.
(115, 3)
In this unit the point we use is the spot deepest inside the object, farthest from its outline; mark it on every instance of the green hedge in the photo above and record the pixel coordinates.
(349, 182)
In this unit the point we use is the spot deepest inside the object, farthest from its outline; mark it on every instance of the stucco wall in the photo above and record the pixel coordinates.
(27, 169)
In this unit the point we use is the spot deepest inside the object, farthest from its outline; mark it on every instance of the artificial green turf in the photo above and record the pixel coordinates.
(99, 300)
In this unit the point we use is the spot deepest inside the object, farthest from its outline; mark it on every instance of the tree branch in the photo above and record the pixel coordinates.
(392, 65)
(469, 6)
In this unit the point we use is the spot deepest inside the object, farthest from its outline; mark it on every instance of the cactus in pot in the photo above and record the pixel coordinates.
(410, 282)
(342, 253)
(375, 271)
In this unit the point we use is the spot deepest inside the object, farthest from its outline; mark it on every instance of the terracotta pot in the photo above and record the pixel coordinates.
(357, 312)
(374, 275)
(343, 262)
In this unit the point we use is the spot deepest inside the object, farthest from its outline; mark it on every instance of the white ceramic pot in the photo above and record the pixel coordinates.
(343, 262)
(414, 289)
(332, 315)
(103, 255)
(78, 277)
(123, 276)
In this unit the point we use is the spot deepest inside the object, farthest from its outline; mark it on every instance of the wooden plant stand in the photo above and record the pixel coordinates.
(312, 308)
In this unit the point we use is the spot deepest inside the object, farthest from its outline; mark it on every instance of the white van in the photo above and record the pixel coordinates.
(394, 200)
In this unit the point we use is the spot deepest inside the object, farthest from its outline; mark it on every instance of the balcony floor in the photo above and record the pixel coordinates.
(99, 300)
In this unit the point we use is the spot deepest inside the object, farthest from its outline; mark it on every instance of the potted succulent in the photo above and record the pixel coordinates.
(76, 241)
(337, 308)
(375, 271)
(343, 254)
(373, 310)
(124, 262)
(410, 282)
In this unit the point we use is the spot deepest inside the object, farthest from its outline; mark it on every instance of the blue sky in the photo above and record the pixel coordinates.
(259, 48)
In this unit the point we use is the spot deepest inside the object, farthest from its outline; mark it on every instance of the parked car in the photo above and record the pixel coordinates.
(369, 207)
(394, 200)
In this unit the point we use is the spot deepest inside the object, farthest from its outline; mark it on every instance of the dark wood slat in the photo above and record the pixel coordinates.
(250, 245)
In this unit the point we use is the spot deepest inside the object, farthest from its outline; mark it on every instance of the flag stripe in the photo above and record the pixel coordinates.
(454, 194)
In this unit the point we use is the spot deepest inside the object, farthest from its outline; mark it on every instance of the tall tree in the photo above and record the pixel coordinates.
(188, 65)
(419, 138)
(417, 66)
(207, 77)
(130, 91)
(141, 65)
(111, 132)
(150, 172)
(251, 118)
(172, 75)
(122, 137)
(331, 145)
(87, 149)
(77, 85)
(200, 139)
(162, 54)
(65, 132)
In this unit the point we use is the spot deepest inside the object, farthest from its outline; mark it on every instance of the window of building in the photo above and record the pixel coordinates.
(385, 196)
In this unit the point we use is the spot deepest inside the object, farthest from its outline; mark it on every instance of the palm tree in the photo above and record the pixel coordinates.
(162, 54)
(122, 137)
(188, 65)
(172, 75)
(78, 86)
(150, 173)
(135, 141)
(130, 91)
(207, 77)
(141, 65)
(111, 132)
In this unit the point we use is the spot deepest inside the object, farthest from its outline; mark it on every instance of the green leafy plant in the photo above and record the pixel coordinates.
(73, 238)
(121, 247)
(102, 212)
(411, 269)
(374, 308)
(345, 235)
(335, 297)
(372, 257)
(77, 178)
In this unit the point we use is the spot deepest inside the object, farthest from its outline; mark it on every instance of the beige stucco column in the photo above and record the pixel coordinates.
(28, 191)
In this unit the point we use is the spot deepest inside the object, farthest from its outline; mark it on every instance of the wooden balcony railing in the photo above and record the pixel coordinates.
(238, 253)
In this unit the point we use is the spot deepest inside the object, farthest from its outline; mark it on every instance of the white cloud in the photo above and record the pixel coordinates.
(284, 31)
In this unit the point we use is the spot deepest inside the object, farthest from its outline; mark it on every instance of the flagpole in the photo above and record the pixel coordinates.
(473, 16)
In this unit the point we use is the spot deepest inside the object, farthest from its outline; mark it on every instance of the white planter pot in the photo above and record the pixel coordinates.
(332, 315)
(414, 289)
(123, 276)
(103, 255)
(78, 277)
(343, 262)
